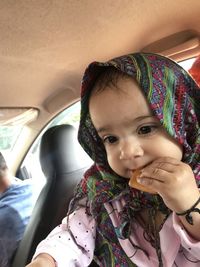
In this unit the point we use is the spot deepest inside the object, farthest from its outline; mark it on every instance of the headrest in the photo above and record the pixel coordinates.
(60, 151)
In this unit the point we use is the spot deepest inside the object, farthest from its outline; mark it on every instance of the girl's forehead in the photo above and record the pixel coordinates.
(125, 89)
(119, 105)
(117, 85)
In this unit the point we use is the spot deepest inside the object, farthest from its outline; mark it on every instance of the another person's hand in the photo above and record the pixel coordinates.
(42, 260)
(173, 180)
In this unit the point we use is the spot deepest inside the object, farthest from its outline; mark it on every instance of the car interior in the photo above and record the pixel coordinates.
(63, 162)
(45, 47)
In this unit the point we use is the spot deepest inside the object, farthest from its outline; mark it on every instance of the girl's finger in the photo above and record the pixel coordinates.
(153, 184)
(159, 173)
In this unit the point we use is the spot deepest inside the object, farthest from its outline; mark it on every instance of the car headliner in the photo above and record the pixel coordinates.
(46, 44)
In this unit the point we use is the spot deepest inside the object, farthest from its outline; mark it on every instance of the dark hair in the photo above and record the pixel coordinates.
(108, 78)
(3, 165)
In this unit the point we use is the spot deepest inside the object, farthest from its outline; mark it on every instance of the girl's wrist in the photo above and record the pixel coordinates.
(188, 213)
(187, 203)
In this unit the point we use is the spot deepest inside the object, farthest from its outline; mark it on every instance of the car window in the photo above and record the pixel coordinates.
(12, 122)
(187, 64)
(8, 136)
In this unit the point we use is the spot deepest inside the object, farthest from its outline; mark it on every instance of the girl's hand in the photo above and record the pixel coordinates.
(173, 180)
(42, 260)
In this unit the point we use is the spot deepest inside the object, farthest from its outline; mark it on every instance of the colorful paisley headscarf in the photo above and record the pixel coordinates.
(174, 98)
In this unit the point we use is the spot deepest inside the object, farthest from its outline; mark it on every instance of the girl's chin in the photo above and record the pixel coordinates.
(124, 175)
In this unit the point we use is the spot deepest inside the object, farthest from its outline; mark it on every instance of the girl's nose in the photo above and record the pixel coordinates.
(130, 150)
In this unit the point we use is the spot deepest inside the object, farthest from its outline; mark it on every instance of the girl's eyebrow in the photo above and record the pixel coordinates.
(144, 117)
(138, 119)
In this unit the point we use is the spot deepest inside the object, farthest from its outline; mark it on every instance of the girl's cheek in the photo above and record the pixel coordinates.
(112, 161)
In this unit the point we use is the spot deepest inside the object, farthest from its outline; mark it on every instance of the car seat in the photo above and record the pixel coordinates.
(63, 162)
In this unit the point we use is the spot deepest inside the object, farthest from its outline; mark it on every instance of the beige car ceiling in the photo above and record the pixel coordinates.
(46, 44)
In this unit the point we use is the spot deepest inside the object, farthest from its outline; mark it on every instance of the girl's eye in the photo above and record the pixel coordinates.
(148, 129)
(110, 139)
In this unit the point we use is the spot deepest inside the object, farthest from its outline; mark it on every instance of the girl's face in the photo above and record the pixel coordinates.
(132, 136)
